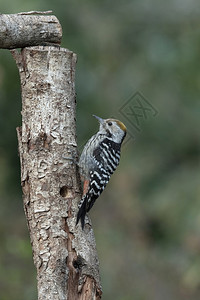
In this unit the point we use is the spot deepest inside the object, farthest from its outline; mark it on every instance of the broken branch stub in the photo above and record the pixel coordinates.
(23, 30)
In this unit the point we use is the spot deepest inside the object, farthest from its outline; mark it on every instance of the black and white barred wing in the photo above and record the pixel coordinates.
(96, 186)
(106, 158)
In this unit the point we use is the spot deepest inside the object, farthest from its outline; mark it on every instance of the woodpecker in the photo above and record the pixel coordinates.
(98, 161)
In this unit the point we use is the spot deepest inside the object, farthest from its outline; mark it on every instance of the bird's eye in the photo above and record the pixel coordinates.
(109, 123)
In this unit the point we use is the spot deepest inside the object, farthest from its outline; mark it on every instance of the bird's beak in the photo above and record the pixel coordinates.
(99, 119)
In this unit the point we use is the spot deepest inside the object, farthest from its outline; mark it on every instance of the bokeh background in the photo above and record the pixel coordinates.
(147, 221)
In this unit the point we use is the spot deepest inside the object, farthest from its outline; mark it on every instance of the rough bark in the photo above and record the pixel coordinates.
(64, 255)
(24, 29)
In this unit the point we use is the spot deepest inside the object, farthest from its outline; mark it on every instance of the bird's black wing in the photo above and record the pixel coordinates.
(106, 158)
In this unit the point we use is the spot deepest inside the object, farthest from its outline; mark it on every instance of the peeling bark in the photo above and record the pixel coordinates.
(65, 256)
(29, 29)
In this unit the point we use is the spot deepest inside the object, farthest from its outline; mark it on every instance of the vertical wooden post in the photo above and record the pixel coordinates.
(64, 255)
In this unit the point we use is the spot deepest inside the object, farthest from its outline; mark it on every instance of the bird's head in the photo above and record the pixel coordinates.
(112, 128)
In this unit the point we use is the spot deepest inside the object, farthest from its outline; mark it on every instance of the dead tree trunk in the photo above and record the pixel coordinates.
(65, 256)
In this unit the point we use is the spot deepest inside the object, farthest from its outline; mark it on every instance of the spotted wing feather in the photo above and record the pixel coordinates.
(106, 158)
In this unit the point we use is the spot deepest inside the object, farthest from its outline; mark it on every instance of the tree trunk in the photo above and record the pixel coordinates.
(64, 255)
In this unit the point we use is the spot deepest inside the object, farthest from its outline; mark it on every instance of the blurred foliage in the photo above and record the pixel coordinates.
(148, 241)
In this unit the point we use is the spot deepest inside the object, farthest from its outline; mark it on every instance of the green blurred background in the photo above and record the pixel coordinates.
(147, 221)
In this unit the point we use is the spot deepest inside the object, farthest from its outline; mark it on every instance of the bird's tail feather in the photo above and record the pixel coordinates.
(81, 213)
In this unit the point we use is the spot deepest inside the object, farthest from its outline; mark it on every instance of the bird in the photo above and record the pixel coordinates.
(99, 159)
